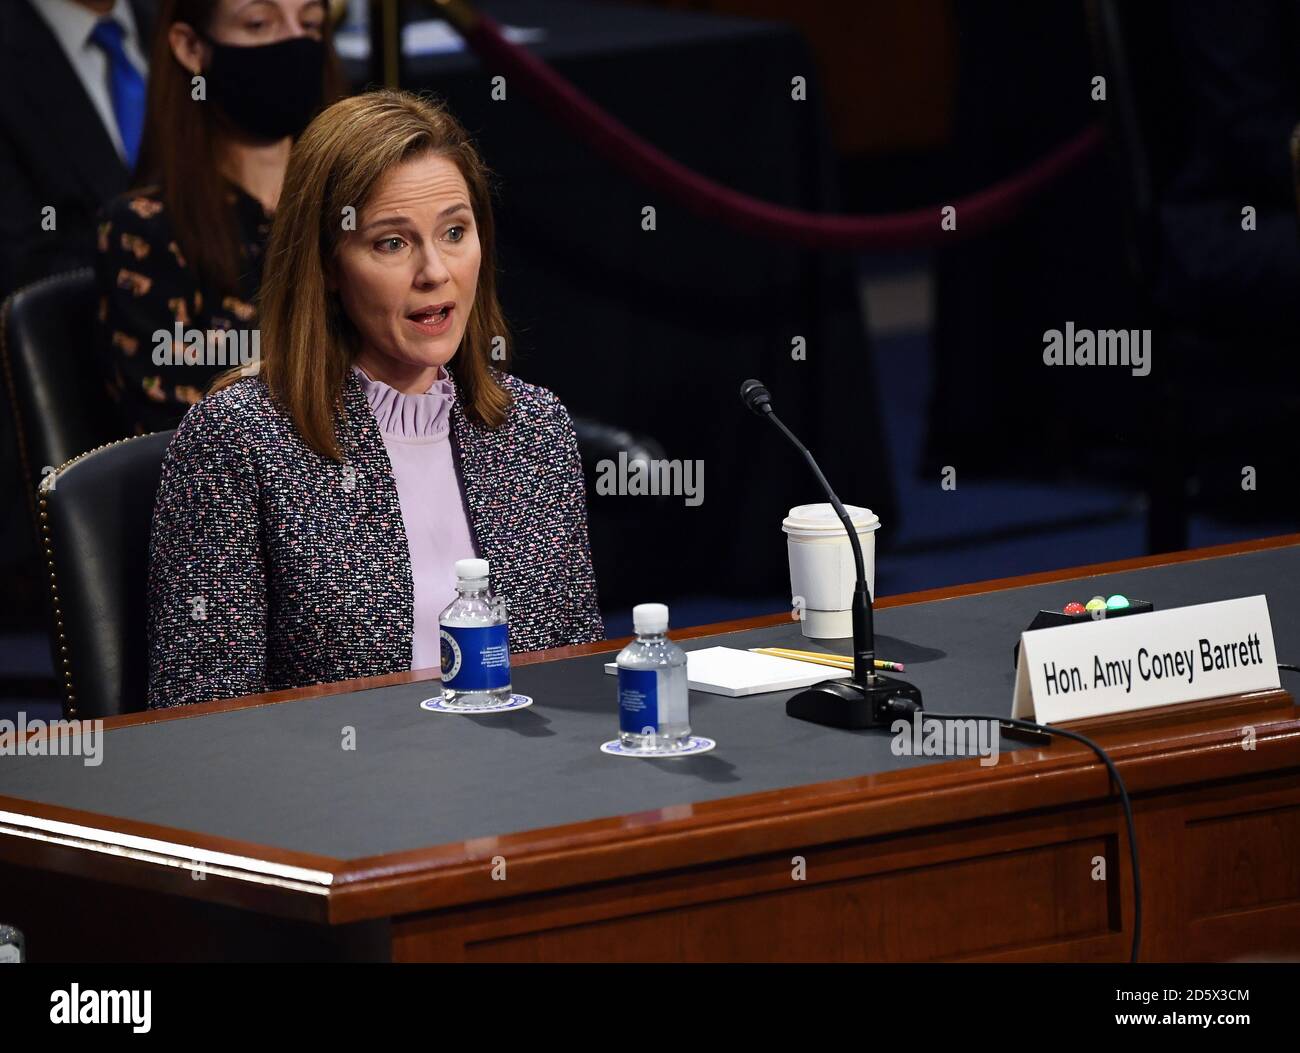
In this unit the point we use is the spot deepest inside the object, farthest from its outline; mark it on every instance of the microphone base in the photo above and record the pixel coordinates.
(850, 705)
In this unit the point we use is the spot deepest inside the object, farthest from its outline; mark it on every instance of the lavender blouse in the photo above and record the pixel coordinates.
(416, 431)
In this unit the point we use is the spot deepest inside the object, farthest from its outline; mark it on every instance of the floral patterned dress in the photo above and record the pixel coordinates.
(146, 289)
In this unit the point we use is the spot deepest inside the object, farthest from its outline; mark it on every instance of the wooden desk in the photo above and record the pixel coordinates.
(949, 860)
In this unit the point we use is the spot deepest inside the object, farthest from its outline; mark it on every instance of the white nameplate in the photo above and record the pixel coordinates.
(1142, 660)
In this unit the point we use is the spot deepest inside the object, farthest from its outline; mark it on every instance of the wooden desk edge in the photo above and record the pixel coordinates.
(945, 792)
(1149, 749)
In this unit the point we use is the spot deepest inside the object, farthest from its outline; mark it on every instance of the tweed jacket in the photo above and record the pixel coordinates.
(272, 567)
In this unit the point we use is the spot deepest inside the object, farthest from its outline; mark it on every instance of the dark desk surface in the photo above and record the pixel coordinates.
(276, 774)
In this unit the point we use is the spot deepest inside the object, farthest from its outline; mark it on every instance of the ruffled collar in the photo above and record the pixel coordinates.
(404, 416)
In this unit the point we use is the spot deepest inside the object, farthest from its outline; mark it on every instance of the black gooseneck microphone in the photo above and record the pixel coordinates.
(869, 699)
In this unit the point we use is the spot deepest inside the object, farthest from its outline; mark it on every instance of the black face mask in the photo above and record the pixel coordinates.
(268, 90)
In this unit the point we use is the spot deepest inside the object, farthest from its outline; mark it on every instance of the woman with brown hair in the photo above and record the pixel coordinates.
(309, 516)
(231, 83)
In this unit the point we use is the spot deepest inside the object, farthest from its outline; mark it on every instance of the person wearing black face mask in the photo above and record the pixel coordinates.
(268, 91)
(180, 256)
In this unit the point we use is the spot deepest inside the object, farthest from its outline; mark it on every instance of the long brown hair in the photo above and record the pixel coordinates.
(178, 151)
(307, 342)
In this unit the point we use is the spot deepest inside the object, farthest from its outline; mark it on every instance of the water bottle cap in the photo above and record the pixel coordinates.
(472, 569)
(650, 617)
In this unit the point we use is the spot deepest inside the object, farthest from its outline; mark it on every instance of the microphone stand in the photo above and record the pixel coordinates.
(869, 699)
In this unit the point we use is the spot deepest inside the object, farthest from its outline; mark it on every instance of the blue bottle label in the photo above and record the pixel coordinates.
(638, 700)
(475, 657)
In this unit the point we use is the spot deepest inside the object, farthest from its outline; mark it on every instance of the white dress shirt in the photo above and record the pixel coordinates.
(72, 24)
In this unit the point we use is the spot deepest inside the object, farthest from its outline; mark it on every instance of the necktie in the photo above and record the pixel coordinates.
(126, 85)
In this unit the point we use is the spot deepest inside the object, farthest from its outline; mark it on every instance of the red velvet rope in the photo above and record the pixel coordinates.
(620, 146)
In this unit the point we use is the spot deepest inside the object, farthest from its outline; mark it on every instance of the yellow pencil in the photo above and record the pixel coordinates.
(817, 658)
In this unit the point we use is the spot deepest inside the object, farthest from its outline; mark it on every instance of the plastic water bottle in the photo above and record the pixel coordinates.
(653, 698)
(475, 640)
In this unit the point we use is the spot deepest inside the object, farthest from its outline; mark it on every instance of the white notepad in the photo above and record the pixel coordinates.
(733, 672)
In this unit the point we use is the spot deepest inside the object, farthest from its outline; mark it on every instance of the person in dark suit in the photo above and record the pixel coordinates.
(233, 84)
(312, 506)
(72, 81)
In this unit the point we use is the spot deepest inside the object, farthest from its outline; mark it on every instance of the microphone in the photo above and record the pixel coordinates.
(869, 699)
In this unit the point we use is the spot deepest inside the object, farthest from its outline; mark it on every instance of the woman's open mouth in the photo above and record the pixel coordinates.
(432, 320)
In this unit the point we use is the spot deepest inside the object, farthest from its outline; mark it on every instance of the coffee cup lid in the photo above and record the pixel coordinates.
(821, 519)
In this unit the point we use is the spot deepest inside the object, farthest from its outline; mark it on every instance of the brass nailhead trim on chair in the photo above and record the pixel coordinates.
(46, 484)
(20, 439)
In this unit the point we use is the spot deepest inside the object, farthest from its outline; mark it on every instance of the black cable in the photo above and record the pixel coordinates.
(1048, 729)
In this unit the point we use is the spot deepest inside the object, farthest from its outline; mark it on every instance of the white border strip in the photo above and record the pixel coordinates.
(165, 853)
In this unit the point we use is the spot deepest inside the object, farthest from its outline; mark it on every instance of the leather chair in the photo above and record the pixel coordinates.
(57, 399)
(620, 527)
(95, 516)
(60, 406)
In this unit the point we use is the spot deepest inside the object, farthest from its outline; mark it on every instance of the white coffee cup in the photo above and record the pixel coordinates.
(822, 572)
